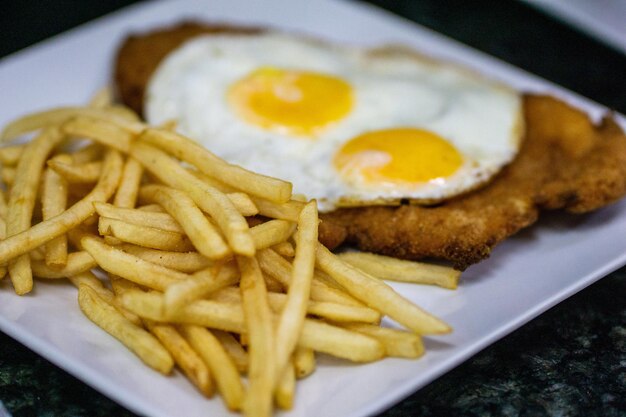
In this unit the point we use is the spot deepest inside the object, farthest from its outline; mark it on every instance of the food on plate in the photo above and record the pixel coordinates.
(563, 160)
(175, 263)
(394, 269)
(566, 162)
(346, 126)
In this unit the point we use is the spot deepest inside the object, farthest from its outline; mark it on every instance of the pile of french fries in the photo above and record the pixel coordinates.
(192, 262)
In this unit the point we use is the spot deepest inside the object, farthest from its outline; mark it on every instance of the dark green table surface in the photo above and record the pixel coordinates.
(570, 361)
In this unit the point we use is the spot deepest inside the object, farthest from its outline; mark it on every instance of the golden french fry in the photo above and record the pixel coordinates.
(102, 98)
(244, 204)
(198, 286)
(10, 155)
(60, 115)
(333, 340)
(331, 311)
(271, 233)
(84, 173)
(152, 207)
(323, 309)
(3, 205)
(239, 178)
(77, 262)
(289, 210)
(219, 362)
(8, 176)
(53, 202)
(89, 279)
(47, 230)
(87, 153)
(130, 267)
(122, 285)
(113, 241)
(215, 315)
(157, 220)
(393, 269)
(241, 201)
(326, 279)
(22, 202)
(260, 330)
(100, 131)
(209, 199)
(229, 316)
(286, 387)
(398, 343)
(200, 231)
(379, 295)
(284, 249)
(139, 341)
(234, 349)
(128, 190)
(272, 284)
(293, 312)
(279, 268)
(37, 254)
(149, 237)
(303, 362)
(187, 262)
(184, 355)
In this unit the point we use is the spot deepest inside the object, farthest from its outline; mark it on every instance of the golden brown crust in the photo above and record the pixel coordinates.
(565, 163)
(139, 55)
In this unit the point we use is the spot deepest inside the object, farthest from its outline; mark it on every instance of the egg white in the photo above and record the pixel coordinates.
(392, 88)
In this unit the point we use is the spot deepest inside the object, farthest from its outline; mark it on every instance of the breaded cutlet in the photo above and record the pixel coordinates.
(566, 162)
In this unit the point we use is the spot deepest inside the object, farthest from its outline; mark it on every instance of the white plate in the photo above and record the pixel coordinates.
(525, 276)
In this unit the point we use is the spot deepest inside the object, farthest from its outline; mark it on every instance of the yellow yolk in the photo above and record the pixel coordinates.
(397, 156)
(289, 101)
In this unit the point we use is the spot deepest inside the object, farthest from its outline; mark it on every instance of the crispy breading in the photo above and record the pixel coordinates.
(139, 55)
(565, 163)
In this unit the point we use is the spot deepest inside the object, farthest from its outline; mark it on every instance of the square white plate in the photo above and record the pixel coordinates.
(524, 276)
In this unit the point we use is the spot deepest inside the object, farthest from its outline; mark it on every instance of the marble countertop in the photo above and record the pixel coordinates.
(570, 361)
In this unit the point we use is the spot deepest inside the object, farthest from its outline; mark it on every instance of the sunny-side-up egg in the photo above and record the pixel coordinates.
(346, 126)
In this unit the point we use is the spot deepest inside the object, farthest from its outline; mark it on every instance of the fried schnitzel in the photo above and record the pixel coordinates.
(566, 162)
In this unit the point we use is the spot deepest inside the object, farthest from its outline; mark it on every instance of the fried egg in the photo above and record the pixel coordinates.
(347, 126)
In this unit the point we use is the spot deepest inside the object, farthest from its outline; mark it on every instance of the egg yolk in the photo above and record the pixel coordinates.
(289, 101)
(397, 156)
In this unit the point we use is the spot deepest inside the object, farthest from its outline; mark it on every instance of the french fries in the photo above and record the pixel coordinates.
(378, 295)
(294, 310)
(393, 269)
(146, 236)
(204, 236)
(126, 195)
(190, 285)
(185, 356)
(219, 362)
(88, 172)
(53, 202)
(260, 327)
(197, 286)
(22, 201)
(209, 199)
(254, 184)
(138, 340)
(130, 267)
